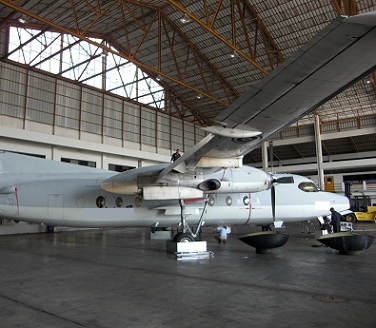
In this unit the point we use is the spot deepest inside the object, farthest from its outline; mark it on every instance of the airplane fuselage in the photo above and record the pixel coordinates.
(59, 194)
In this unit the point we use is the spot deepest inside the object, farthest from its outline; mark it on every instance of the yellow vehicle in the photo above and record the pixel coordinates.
(370, 215)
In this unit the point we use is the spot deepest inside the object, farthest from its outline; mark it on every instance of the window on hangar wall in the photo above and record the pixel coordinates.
(72, 58)
(79, 162)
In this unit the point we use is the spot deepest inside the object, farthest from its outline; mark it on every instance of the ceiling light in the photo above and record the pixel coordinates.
(22, 19)
(199, 96)
(185, 19)
(159, 77)
(233, 54)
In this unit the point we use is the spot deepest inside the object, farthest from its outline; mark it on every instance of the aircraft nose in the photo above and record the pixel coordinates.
(340, 203)
(269, 180)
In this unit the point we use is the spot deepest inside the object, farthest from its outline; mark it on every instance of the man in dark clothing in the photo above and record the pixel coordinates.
(175, 156)
(266, 227)
(335, 220)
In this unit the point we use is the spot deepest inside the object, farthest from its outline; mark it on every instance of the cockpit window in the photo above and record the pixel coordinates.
(308, 187)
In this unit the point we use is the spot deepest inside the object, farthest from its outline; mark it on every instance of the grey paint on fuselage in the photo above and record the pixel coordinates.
(61, 194)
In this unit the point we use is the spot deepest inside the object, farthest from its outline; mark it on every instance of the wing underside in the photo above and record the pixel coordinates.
(337, 57)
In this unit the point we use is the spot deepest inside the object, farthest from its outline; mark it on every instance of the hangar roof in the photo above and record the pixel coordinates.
(205, 53)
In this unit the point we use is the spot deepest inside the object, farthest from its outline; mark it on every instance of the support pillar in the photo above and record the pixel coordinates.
(265, 156)
(320, 170)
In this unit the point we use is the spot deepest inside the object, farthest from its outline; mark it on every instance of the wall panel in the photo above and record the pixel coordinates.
(68, 104)
(113, 118)
(163, 128)
(40, 104)
(176, 133)
(148, 126)
(131, 122)
(91, 111)
(50, 105)
(12, 90)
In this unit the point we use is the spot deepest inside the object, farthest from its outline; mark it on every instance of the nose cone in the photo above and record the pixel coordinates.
(269, 180)
(339, 202)
(263, 180)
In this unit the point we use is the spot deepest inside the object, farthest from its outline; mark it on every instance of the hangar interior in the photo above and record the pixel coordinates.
(121, 84)
(118, 84)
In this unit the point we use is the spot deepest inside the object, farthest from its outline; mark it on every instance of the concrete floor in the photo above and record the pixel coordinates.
(121, 278)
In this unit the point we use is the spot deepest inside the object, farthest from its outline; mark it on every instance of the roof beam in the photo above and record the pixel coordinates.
(346, 7)
(129, 57)
(209, 29)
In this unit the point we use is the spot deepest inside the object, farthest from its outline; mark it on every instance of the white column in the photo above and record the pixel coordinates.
(104, 162)
(320, 170)
(265, 156)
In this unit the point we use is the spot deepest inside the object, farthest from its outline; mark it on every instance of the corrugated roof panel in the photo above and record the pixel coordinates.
(289, 23)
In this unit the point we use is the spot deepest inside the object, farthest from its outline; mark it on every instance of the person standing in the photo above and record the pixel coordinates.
(175, 156)
(222, 234)
(335, 220)
(266, 227)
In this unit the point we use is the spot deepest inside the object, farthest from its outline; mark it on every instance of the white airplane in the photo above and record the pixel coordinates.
(208, 184)
(60, 194)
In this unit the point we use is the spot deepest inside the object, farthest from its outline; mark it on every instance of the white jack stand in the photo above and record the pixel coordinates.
(189, 250)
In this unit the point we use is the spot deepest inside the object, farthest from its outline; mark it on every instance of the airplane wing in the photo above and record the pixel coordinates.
(337, 57)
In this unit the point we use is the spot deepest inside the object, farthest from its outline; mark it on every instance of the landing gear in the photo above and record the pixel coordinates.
(186, 234)
(183, 237)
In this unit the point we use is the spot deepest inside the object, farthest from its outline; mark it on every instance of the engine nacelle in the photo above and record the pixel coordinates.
(209, 185)
(120, 188)
(188, 185)
(131, 182)
(237, 180)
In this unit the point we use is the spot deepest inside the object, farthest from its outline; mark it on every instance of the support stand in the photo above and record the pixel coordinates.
(191, 250)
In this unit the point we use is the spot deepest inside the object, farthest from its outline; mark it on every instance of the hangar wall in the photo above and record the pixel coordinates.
(59, 120)
(44, 115)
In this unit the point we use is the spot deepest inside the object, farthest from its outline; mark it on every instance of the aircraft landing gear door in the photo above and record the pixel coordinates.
(56, 206)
